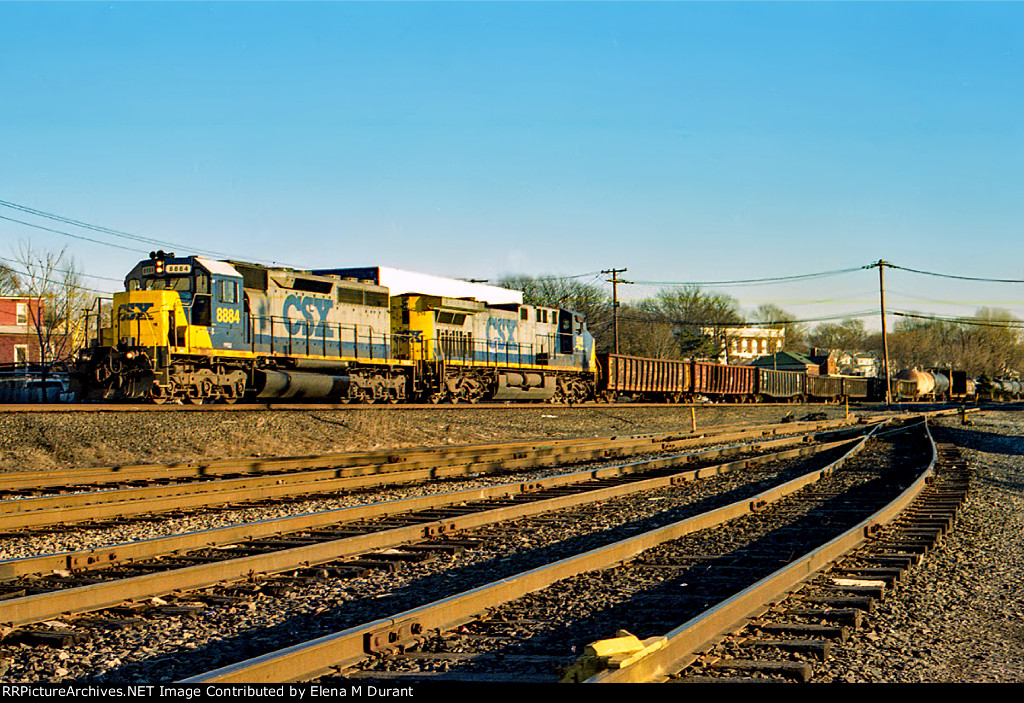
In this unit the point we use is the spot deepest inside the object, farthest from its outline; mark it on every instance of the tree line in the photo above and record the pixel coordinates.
(674, 324)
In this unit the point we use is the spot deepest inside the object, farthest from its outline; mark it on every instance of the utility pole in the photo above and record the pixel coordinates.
(615, 302)
(885, 341)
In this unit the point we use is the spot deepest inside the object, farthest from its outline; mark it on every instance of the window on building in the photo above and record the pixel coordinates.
(22, 313)
(20, 353)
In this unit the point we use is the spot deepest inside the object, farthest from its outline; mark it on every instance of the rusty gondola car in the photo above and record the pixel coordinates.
(689, 380)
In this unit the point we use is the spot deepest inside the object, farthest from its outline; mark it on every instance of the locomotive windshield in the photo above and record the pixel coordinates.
(182, 284)
(197, 283)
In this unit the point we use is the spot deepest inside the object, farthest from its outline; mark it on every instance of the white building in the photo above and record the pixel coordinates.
(744, 344)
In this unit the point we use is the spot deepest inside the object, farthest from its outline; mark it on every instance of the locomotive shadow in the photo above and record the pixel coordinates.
(261, 640)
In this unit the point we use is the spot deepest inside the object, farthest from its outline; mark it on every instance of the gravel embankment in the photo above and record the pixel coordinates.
(48, 441)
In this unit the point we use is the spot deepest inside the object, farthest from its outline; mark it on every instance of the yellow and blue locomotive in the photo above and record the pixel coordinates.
(197, 330)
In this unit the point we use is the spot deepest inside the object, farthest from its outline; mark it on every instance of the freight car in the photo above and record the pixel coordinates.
(195, 330)
(999, 388)
(662, 380)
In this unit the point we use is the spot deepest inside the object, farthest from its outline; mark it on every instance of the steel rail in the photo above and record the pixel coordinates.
(345, 407)
(36, 608)
(101, 505)
(686, 642)
(369, 460)
(342, 649)
(105, 556)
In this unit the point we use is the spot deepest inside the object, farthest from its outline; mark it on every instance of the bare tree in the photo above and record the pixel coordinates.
(848, 335)
(10, 284)
(988, 343)
(563, 292)
(51, 280)
(794, 333)
(699, 319)
(644, 331)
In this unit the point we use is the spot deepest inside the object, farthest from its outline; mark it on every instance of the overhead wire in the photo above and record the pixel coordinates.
(756, 281)
(68, 234)
(953, 276)
(148, 241)
(57, 283)
(1009, 324)
(593, 275)
(104, 230)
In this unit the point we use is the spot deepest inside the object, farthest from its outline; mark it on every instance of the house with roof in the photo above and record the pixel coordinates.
(819, 362)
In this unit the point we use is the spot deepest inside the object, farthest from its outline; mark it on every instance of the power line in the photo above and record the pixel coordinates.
(959, 278)
(68, 234)
(148, 241)
(104, 230)
(756, 281)
(8, 263)
(722, 323)
(1015, 324)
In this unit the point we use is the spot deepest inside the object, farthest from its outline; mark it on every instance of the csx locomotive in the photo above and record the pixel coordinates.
(196, 330)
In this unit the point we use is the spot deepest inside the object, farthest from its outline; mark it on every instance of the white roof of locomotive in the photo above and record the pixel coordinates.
(219, 268)
(401, 282)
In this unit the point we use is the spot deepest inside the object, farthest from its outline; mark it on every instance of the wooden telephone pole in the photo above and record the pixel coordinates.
(615, 281)
(885, 341)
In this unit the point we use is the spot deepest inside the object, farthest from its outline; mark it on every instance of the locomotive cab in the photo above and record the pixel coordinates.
(170, 306)
(194, 303)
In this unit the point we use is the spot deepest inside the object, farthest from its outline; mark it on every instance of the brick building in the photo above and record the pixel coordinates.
(19, 343)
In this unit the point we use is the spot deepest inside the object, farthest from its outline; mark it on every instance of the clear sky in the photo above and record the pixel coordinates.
(684, 141)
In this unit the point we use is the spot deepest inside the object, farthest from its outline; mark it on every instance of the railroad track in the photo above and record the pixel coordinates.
(436, 533)
(39, 588)
(681, 588)
(356, 407)
(116, 493)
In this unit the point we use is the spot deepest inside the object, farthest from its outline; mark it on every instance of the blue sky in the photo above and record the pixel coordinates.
(685, 141)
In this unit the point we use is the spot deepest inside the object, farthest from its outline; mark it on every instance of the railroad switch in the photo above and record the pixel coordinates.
(615, 653)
